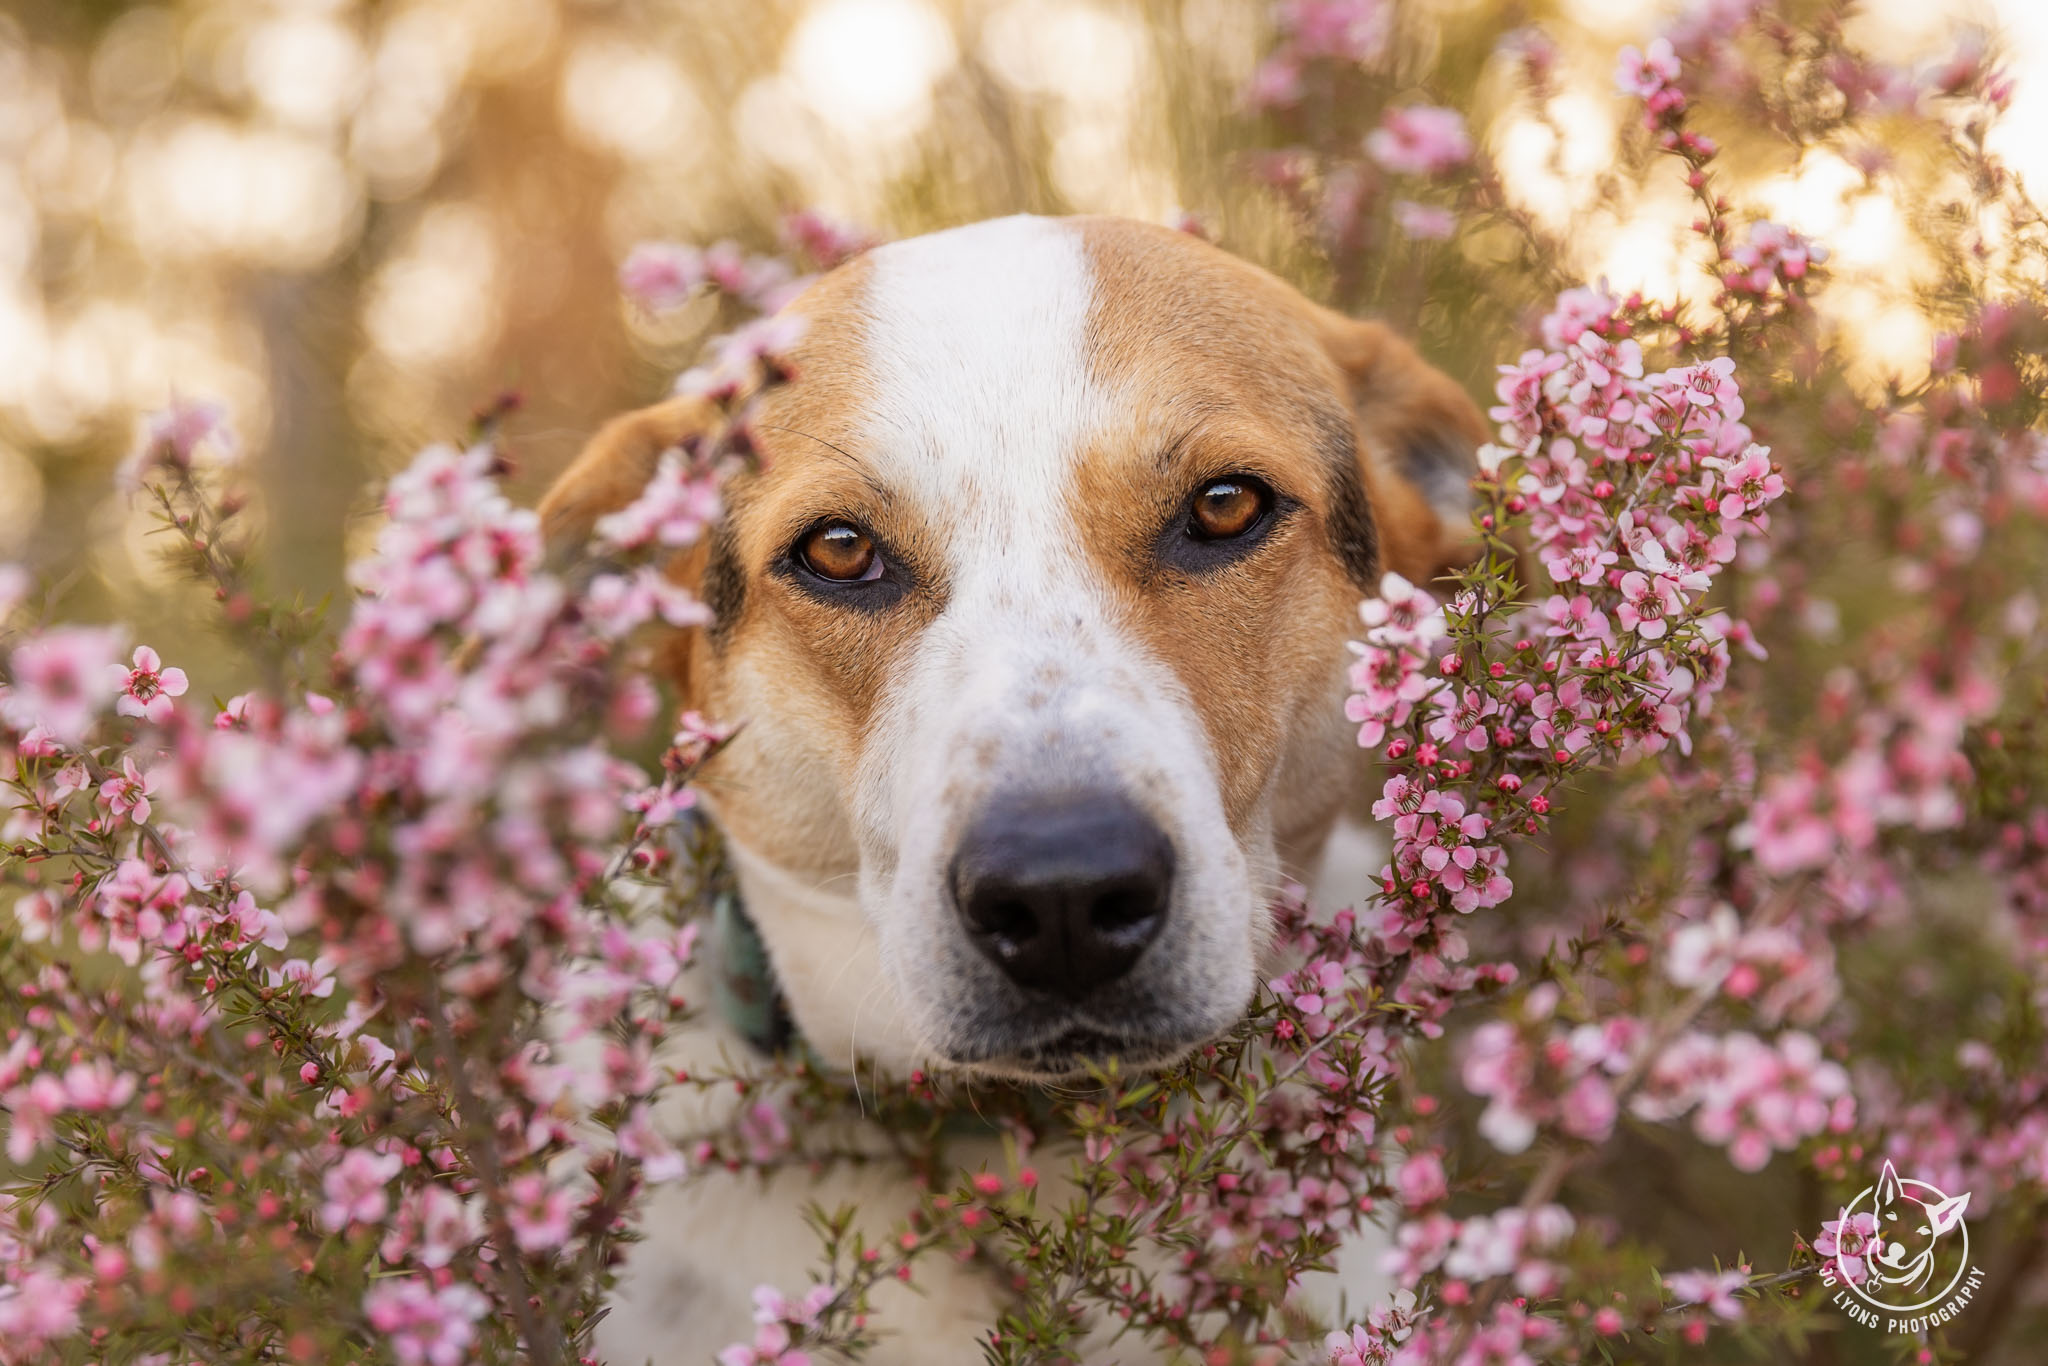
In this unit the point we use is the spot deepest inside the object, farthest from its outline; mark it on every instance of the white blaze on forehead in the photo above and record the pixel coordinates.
(976, 343)
(982, 402)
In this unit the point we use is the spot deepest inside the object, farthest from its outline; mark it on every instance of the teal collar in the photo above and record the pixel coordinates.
(744, 985)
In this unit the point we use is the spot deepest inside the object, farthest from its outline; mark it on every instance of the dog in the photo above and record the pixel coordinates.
(1034, 619)
(1911, 1229)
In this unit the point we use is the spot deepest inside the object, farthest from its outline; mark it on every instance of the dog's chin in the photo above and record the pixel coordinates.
(1074, 1054)
(1909, 1272)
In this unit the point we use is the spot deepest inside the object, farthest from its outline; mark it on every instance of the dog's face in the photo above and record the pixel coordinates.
(1034, 619)
(1910, 1227)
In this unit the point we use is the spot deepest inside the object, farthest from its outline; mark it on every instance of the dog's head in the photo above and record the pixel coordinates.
(1034, 618)
(1910, 1224)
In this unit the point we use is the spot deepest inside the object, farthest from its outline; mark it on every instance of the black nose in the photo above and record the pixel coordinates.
(1064, 890)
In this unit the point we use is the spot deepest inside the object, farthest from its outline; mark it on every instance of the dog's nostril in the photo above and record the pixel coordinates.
(1063, 891)
(1123, 909)
(1009, 925)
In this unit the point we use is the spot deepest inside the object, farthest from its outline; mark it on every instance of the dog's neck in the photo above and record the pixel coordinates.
(828, 962)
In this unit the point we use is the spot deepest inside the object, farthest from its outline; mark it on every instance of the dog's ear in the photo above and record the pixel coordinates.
(1946, 1215)
(1418, 431)
(1889, 1191)
(614, 466)
(609, 473)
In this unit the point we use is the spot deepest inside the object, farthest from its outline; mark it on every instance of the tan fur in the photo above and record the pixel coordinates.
(1233, 383)
(1400, 398)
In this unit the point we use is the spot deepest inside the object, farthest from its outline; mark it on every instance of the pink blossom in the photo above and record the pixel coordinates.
(1648, 603)
(59, 680)
(1647, 74)
(1402, 614)
(1421, 1179)
(355, 1188)
(172, 438)
(96, 1086)
(128, 794)
(1420, 139)
(540, 1214)
(1373, 1342)
(1850, 1243)
(37, 1307)
(661, 276)
(673, 510)
(1715, 1290)
(148, 687)
(825, 240)
(1770, 254)
(1748, 482)
(425, 1326)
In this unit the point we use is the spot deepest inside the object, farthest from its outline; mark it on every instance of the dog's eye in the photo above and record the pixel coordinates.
(1227, 508)
(841, 552)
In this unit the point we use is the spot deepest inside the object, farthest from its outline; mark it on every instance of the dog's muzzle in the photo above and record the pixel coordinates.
(1063, 890)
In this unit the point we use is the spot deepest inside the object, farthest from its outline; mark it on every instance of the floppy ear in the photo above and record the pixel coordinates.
(1418, 430)
(614, 466)
(610, 473)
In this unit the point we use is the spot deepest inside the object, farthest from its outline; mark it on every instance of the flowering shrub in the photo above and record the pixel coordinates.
(1711, 791)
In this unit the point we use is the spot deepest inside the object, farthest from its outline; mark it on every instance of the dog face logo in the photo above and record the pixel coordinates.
(1902, 1244)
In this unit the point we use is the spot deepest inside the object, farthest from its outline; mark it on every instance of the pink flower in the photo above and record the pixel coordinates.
(1648, 603)
(1420, 139)
(1771, 253)
(425, 1326)
(771, 1347)
(540, 1213)
(36, 1308)
(128, 794)
(354, 1188)
(60, 680)
(1402, 614)
(1748, 482)
(1575, 618)
(826, 241)
(97, 1086)
(1715, 1290)
(1647, 74)
(1350, 32)
(1588, 1109)
(1421, 1179)
(1373, 1342)
(673, 510)
(661, 276)
(148, 687)
(1850, 1243)
(171, 438)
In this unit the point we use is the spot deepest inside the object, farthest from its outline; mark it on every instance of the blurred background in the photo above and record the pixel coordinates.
(356, 221)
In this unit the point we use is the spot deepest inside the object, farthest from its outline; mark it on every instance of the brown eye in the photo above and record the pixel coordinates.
(1228, 508)
(841, 552)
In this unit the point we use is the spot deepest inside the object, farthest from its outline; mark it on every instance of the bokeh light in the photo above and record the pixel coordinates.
(355, 222)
